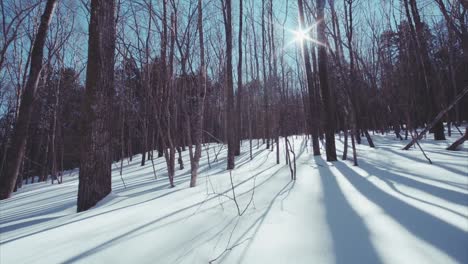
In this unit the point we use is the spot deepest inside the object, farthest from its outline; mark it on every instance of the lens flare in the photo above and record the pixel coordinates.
(300, 35)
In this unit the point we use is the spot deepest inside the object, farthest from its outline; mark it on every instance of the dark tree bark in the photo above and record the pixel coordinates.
(345, 148)
(229, 85)
(427, 69)
(369, 139)
(314, 122)
(239, 86)
(199, 104)
(16, 152)
(459, 141)
(96, 155)
(437, 119)
(327, 94)
(266, 127)
(353, 144)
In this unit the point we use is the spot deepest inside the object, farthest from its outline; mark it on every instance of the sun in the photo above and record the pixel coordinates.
(300, 35)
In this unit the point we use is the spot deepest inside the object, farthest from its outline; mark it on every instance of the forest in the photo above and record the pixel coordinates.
(233, 131)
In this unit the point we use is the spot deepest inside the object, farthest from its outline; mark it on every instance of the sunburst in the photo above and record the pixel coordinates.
(302, 35)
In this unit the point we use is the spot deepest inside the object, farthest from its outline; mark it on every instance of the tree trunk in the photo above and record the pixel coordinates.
(239, 86)
(314, 122)
(353, 145)
(229, 86)
(44, 169)
(437, 119)
(369, 139)
(459, 141)
(266, 134)
(96, 155)
(15, 153)
(426, 65)
(198, 121)
(345, 148)
(180, 160)
(327, 95)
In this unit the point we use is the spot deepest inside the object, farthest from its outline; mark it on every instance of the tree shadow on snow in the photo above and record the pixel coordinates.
(257, 224)
(150, 225)
(446, 237)
(26, 224)
(438, 164)
(398, 171)
(350, 235)
(388, 176)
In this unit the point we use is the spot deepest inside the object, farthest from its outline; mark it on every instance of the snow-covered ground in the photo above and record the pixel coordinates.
(394, 208)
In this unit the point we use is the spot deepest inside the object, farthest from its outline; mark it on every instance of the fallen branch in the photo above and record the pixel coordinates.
(215, 138)
(458, 129)
(436, 119)
(459, 141)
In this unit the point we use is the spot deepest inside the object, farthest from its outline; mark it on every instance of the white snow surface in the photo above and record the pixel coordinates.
(394, 208)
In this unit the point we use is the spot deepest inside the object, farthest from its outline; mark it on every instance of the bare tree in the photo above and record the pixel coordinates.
(16, 151)
(199, 103)
(313, 120)
(327, 94)
(239, 85)
(229, 84)
(96, 152)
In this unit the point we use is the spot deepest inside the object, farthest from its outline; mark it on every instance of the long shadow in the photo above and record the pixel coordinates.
(443, 236)
(26, 224)
(259, 164)
(136, 166)
(29, 194)
(391, 184)
(222, 203)
(62, 200)
(214, 236)
(402, 154)
(449, 195)
(401, 170)
(449, 153)
(39, 202)
(197, 245)
(287, 192)
(51, 227)
(139, 203)
(154, 189)
(39, 210)
(178, 179)
(245, 160)
(147, 225)
(125, 166)
(256, 224)
(350, 236)
(461, 186)
(67, 199)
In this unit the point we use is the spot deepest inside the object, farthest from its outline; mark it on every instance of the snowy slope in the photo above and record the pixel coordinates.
(393, 208)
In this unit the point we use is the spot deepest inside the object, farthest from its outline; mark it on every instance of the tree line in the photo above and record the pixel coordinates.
(162, 77)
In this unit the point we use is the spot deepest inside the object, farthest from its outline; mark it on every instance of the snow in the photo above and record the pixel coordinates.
(394, 208)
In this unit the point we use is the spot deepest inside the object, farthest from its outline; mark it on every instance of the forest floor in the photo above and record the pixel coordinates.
(394, 208)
